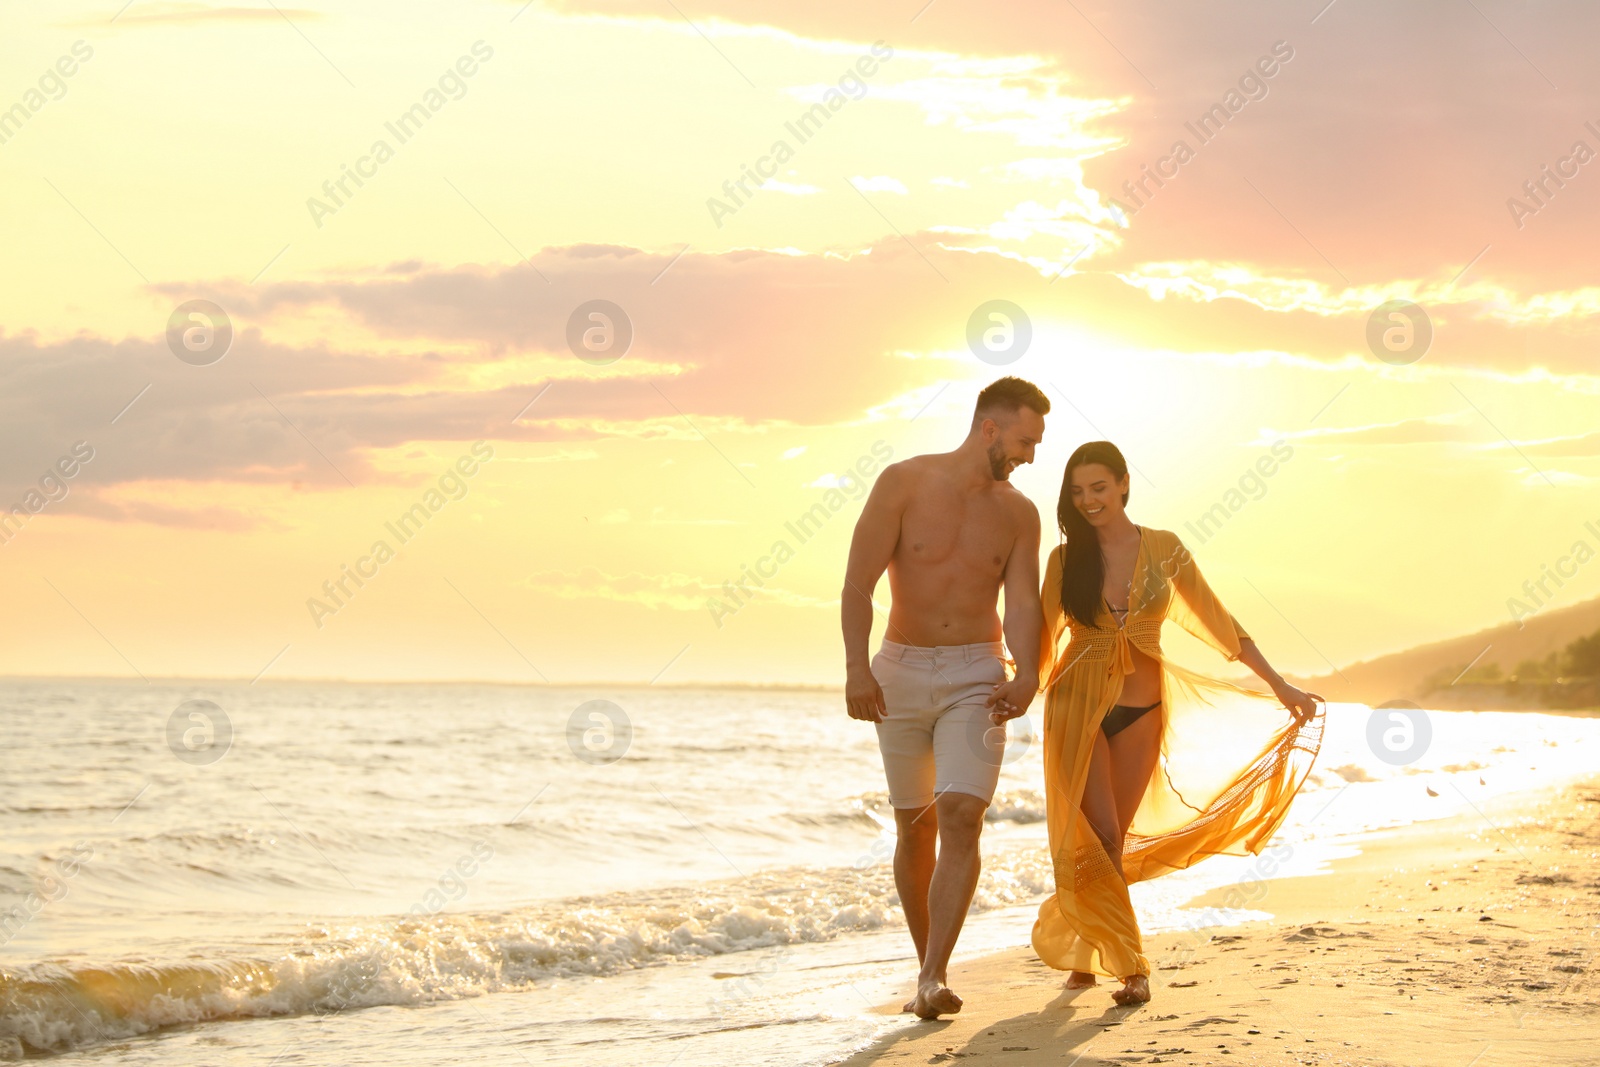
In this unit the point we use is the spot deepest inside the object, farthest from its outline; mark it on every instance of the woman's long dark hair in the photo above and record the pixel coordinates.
(1083, 569)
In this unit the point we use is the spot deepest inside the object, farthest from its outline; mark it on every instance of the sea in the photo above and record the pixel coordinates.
(323, 873)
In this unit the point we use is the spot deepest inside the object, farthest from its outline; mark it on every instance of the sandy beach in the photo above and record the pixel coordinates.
(1454, 942)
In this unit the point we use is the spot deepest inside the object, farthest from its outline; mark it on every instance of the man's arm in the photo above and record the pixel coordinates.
(1024, 620)
(871, 547)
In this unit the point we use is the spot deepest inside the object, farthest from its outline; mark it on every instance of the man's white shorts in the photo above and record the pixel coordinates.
(936, 735)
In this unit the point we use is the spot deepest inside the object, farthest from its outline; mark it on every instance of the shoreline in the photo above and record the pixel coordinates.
(1467, 939)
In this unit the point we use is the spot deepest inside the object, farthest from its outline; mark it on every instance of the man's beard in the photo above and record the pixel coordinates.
(999, 463)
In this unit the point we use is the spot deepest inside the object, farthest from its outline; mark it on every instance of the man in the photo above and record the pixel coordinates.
(950, 529)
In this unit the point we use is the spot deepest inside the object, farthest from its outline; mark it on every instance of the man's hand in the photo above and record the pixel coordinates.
(1011, 699)
(863, 696)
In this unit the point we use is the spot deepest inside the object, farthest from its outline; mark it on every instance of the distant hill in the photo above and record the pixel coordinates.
(1423, 674)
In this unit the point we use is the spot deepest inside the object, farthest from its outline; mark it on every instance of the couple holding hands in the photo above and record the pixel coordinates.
(952, 531)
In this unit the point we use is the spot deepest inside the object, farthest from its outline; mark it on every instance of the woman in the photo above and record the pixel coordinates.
(1231, 761)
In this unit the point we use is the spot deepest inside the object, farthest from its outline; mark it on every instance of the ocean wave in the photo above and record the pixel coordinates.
(1016, 805)
(59, 1006)
(1008, 805)
(57, 809)
(210, 858)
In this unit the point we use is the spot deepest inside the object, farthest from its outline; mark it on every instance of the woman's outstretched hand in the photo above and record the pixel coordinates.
(1302, 705)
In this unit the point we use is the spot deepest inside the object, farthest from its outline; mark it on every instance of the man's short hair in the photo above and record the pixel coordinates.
(1007, 396)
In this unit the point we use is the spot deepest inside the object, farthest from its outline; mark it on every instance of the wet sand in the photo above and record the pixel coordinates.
(1457, 942)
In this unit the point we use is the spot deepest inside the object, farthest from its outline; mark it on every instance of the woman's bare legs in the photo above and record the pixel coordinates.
(1134, 752)
(1119, 772)
(1100, 808)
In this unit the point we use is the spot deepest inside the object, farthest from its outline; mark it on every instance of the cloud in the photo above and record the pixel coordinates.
(724, 344)
(266, 413)
(1582, 445)
(750, 336)
(1360, 164)
(732, 342)
(789, 188)
(1311, 204)
(1538, 479)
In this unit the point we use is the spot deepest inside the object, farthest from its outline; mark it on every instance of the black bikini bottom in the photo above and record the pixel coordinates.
(1122, 716)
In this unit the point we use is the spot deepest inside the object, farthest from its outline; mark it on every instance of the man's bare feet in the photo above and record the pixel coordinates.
(1080, 980)
(1135, 990)
(934, 1000)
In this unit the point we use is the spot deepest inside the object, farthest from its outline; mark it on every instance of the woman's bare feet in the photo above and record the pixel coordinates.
(1135, 990)
(1080, 980)
(934, 1000)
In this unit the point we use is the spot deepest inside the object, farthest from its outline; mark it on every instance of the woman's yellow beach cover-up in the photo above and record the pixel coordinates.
(1231, 758)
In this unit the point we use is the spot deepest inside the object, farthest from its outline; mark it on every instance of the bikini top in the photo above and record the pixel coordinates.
(1122, 613)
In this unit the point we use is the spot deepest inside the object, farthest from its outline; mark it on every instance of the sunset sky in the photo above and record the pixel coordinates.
(558, 153)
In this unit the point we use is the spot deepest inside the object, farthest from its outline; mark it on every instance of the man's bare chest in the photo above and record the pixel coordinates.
(956, 528)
